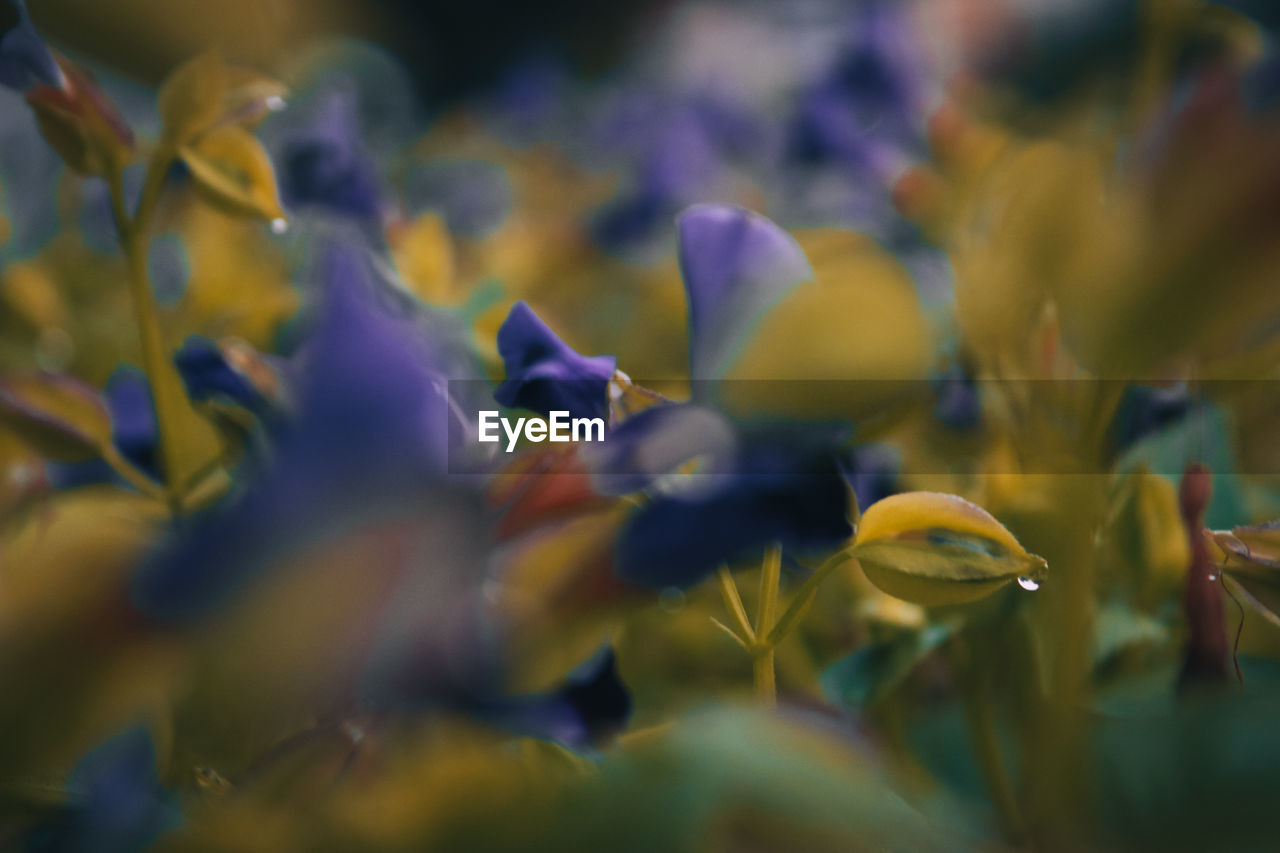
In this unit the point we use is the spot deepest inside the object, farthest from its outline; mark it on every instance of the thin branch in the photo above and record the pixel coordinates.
(733, 603)
(732, 633)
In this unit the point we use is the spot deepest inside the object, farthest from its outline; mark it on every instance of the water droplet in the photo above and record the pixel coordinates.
(275, 103)
(1029, 583)
(279, 225)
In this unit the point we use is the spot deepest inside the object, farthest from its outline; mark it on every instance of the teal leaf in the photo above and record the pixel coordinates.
(872, 672)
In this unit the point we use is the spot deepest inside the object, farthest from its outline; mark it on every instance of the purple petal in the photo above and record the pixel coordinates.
(325, 165)
(133, 418)
(371, 434)
(656, 442)
(545, 374)
(25, 60)
(785, 489)
(735, 265)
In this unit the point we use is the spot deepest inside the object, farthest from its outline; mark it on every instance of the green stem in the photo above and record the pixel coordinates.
(132, 235)
(770, 576)
(762, 657)
(980, 716)
(733, 604)
(1057, 737)
(805, 594)
(763, 676)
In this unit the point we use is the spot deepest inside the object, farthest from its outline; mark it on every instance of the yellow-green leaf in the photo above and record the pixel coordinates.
(251, 97)
(1255, 547)
(191, 100)
(1150, 535)
(851, 343)
(1250, 556)
(233, 171)
(58, 417)
(932, 548)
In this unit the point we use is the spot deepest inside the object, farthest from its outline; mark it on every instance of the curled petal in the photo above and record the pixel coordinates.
(545, 374)
(735, 264)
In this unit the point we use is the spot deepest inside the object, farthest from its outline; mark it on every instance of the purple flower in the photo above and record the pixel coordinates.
(208, 375)
(371, 432)
(756, 483)
(652, 443)
(784, 486)
(856, 125)
(25, 60)
(736, 264)
(133, 418)
(545, 374)
(629, 224)
(677, 153)
(324, 165)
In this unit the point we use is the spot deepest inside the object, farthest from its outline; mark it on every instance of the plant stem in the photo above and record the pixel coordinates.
(761, 639)
(132, 235)
(770, 576)
(1057, 736)
(763, 677)
(980, 717)
(766, 607)
(805, 594)
(733, 603)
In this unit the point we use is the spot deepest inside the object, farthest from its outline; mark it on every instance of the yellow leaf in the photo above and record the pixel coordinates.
(425, 256)
(1258, 545)
(57, 416)
(71, 638)
(1250, 556)
(1153, 537)
(193, 446)
(847, 344)
(233, 171)
(1019, 233)
(932, 548)
(251, 97)
(191, 99)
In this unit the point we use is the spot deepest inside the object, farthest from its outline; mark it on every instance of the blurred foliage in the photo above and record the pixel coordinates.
(935, 343)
